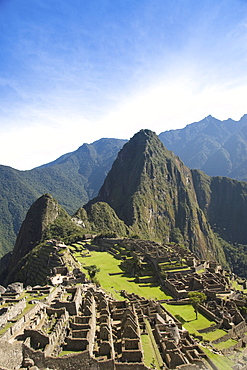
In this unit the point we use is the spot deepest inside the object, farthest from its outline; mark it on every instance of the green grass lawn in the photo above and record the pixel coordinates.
(186, 314)
(64, 353)
(151, 352)
(115, 283)
(222, 362)
(227, 344)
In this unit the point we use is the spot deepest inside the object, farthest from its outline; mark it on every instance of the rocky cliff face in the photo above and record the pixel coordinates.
(152, 191)
(224, 202)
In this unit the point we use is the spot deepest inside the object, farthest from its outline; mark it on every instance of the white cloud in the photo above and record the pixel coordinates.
(171, 104)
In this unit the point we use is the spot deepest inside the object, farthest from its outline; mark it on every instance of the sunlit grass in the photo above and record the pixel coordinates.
(227, 344)
(222, 362)
(186, 314)
(149, 355)
(115, 283)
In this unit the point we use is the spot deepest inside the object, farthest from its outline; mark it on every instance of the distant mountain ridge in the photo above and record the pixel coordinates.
(214, 146)
(219, 148)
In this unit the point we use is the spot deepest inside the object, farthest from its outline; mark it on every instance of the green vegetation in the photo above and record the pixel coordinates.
(62, 228)
(149, 353)
(113, 280)
(148, 192)
(103, 219)
(152, 350)
(226, 218)
(135, 189)
(227, 344)
(64, 353)
(236, 255)
(92, 271)
(222, 362)
(196, 298)
(186, 315)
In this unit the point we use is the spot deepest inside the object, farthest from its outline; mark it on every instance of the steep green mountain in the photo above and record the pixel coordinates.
(216, 147)
(224, 202)
(102, 219)
(73, 179)
(152, 191)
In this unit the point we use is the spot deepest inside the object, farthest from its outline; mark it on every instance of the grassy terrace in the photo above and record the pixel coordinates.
(222, 362)
(238, 286)
(186, 314)
(113, 284)
(152, 355)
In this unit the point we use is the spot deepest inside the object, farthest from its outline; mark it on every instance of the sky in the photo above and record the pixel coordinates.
(75, 71)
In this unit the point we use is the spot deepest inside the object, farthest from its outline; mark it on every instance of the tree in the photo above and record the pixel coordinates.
(196, 298)
(92, 271)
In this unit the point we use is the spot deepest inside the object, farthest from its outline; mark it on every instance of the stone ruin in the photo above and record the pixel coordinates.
(208, 282)
(83, 328)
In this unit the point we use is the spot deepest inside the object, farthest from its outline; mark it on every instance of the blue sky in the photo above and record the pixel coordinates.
(74, 71)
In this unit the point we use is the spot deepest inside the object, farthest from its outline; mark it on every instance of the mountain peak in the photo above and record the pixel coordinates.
(152, 191)
(143, 140)
(42, 212)
(145, 133)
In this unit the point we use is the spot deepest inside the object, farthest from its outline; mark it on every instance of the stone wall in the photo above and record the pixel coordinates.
(237, 330)
(12, 312)
(79, 361)
(16, 327)
(71, 307)
(10, 354)
(129, 366)
(76, 344)
(132, 356)
(53, 294)
(173, 290)
(208, 314)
